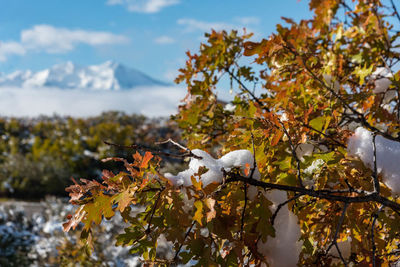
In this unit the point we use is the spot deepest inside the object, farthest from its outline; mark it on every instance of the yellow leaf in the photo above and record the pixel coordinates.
(196, 184)
(199, 211)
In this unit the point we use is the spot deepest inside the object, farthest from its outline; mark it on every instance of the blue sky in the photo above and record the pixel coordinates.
(149, 35)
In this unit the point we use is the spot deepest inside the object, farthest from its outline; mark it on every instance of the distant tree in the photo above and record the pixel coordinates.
(310, 172)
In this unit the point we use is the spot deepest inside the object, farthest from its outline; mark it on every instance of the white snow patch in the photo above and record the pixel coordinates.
(334, 84)
(389, 96)
(237, 158)
(311, 170)
(230, 107)
(304, 150)
(344, 247)
(284, 249)
(387, 156)
(382, 82)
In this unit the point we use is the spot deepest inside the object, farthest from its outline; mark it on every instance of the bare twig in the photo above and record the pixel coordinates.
(334, 241)
(325, 135)
(244, 87)
(153, 210)
(245, 188)
(273, 217)
(189, 152)
(183, 242)
(294, 154)
(395, 10)
(155, 151)
(243, 212)
(375, 215)
(375, 172)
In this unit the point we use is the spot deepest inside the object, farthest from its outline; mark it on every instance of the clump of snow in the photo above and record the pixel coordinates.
(387, 156)
(284, 249)
(230, 107)
(311, 170)
(315, 166)
(304, 150)
(334, 84)
(382, 81)
(284, 117)
(389, 96)
(238, 158)
(344, 247)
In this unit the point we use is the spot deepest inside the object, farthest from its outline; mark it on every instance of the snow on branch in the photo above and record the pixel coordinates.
(387, 156)
(214, 173)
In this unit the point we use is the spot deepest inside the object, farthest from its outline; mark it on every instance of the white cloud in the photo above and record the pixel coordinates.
(60, 40)
(192, 25)
(149, 101)
(248, 20)
(164, 40)
(242, 25)
(51, 39)
(144, 6)
(10, 48)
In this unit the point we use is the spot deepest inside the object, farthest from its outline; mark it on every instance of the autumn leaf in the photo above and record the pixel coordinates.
(199, 211)
(145, 161)
(210, 205)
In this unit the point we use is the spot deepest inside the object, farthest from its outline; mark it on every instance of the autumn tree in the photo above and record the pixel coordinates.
(305, 165)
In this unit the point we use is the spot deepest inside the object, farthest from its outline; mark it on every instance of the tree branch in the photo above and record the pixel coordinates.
(321, 194)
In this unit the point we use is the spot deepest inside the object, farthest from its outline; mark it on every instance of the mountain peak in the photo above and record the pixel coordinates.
(109, 75)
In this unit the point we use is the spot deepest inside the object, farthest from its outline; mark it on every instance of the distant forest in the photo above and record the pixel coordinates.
(39, 156)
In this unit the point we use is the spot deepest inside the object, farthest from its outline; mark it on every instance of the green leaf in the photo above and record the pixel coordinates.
(317, 123)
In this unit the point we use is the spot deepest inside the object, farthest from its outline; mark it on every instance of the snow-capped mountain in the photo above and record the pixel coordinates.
(107, 76)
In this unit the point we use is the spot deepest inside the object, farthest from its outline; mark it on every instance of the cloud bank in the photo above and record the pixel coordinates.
(144, 6)
(50, 39)
(149, 101)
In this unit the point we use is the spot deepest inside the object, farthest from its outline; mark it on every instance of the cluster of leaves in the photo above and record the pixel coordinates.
(38, 156)
(315, 86)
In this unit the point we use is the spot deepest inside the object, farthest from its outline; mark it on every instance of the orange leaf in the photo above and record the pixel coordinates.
(145, 162)
(137, 157)
(276, 138)
(247, 169)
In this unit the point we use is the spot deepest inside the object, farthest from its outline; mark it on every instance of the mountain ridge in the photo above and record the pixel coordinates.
(109, 75)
